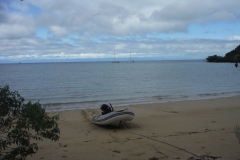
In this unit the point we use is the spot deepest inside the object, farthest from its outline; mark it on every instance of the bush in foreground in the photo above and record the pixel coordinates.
(21, 125)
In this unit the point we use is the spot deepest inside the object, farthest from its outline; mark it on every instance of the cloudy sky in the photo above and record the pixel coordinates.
(73, 30)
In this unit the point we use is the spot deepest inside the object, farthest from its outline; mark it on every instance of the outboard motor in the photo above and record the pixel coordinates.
(106, 109)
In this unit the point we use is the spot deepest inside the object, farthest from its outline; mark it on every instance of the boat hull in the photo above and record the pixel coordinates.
(114, 118)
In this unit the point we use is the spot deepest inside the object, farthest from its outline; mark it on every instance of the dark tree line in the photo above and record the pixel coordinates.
(232, 56)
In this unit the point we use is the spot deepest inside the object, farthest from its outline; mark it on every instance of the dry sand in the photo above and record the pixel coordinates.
(202, 127)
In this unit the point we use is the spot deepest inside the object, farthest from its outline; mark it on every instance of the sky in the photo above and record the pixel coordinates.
(73, 30)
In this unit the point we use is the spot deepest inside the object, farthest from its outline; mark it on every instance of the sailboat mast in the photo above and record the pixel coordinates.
(130, 58)
(114, 61)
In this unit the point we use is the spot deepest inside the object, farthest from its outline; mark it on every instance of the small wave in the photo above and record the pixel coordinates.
(160, 97)
(219, 94)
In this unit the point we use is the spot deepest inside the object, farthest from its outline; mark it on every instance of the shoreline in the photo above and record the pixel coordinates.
(132, 104)
(202, 127)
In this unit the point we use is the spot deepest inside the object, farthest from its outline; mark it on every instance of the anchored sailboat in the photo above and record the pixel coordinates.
(114, 61)
(130, 59)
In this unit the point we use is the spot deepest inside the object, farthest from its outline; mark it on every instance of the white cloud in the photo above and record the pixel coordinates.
(132, 18)
(162, 49)
(232, 38)
(16, 26)
(14, 31)
(222, 16)
(58, 31)
(104, 26)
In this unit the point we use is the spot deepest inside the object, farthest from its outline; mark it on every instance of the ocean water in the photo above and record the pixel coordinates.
(68, 86)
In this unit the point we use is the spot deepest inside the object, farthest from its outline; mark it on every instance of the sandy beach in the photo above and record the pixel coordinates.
(158, 131)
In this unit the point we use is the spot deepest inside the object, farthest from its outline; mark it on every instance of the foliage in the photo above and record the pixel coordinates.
(21, 125)
(232, 56)
(215, 58)
(236, 60)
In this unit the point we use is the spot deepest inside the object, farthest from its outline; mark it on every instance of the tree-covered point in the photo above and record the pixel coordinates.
(22, 125)
(232, 56)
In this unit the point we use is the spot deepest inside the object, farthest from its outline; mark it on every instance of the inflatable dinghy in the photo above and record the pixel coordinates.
(112, 117)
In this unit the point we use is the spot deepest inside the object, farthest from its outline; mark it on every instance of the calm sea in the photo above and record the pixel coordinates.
(67, 86)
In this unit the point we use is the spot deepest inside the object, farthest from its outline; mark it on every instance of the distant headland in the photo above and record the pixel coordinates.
(232, 56)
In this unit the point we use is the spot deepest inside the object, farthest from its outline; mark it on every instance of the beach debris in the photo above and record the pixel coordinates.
(193, 132)
(237, 132)
(170, 111)
(153, 158)
(204, 157)
(60, 145)
(116, 151)
(159, 151)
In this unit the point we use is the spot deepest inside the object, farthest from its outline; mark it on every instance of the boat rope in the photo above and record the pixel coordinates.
(201, 157)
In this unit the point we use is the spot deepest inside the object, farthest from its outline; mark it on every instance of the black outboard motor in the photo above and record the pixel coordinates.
(106, 109)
